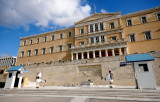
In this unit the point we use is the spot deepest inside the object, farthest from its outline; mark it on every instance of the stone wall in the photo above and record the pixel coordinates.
(76, 72)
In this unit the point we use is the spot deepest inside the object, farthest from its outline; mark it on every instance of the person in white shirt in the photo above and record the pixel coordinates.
(109, 77)
(38, 79)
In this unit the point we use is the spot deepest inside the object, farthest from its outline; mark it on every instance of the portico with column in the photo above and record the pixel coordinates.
(98, 52)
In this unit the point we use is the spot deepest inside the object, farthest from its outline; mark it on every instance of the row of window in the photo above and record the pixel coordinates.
(98, 39)
(143, 20)
(146, 34)
(96, 27)
(45, 38)
(44, 50)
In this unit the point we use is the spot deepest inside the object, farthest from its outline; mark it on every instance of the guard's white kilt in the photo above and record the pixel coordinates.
(38, 80)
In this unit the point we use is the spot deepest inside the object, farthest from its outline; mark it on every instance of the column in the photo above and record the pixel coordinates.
(72, 56)
(100, 55)
(120, 51)
(113, 53)
(94, 39)
(99, 38)
(82, 55)
(88, 28)
(87, 55)
(126, 50)
(93, 27)
(98, 26)
(104, 25)
(106, 52)
(94, 54)
(76, 56)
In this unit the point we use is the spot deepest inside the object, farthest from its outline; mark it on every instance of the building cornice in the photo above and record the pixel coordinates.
(140, 12)
(46, 33)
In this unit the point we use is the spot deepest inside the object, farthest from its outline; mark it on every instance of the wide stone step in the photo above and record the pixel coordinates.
(152, 94)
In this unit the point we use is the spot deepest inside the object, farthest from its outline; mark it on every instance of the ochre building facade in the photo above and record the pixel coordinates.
(97, 36)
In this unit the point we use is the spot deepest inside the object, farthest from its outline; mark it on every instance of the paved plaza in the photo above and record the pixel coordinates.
(79, 94)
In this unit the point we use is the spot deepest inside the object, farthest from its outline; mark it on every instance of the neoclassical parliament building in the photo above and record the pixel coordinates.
(99, 35)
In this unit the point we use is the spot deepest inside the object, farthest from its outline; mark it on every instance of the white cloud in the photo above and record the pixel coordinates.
(103, 11)
(42, 12)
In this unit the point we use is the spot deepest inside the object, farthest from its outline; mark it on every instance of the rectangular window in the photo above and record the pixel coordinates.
(158, 16)
(148, 35)
(29, 52)
(92, 40)
(51, 49)
(37, 40)
(60, 48)
(143, 19)
(52, 37)
(102, 39)
(132, 38)
(101, 26)
(82, 43)
(10, 75)
(31, 41)
(143, 68)
(129, 22)
(61, 36)
(45, 39)
(24, 43)
(81, 31)
(113, 38)
(96, 27)
(69, 34)
(36, 51)
(22, 54)
(43, 50)
(91, 28)
(112, 25)
(97, 39)
(69, 46)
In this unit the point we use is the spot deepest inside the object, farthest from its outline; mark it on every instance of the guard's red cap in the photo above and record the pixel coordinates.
(109, 70)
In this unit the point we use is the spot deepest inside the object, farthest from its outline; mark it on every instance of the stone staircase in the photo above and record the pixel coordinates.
(89, 92)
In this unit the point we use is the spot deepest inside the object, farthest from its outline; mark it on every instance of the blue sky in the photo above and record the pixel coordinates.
(20, 18)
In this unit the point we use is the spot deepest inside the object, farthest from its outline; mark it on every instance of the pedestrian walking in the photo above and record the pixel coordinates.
(109, 77)
(38, 79)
